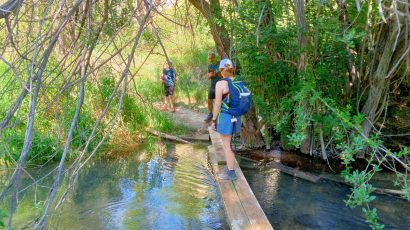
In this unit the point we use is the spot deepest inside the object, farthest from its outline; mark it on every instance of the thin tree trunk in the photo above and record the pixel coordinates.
(212, 11)
(322, 143)
(379, 84)
(300, 17)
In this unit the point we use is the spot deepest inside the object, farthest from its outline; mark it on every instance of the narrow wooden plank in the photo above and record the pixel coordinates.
(211, 152)
(236, 215)
(212, 158)
(217, 144)
(241, 206)
(250, 204)
(235, 212)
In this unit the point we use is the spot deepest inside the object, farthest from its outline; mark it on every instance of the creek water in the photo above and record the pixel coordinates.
(293, 203)
(174, 189)
(169, 190)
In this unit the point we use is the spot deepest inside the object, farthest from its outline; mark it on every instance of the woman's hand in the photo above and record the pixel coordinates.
(213, 124)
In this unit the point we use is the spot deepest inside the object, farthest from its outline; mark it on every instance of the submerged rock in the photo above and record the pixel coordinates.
(310, 221)
(276, 153)
(307, 221)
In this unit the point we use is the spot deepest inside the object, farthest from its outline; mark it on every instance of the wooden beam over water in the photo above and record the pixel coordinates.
(242, 209)
(218, 147)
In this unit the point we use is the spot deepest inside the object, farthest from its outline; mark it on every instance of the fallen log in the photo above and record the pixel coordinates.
(390, 191)
(290, 171)
(295, 172)
(196, 137)
(384, 191)
(167, 136)
(314, 178)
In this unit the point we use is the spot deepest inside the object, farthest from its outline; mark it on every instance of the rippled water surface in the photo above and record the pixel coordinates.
(292, 203)
(173, 190)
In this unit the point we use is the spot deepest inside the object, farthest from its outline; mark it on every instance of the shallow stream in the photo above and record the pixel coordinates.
(169, 190)
(292, 203)
(174, 189)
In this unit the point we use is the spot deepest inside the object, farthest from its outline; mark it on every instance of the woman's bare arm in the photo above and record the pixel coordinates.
(220, 85)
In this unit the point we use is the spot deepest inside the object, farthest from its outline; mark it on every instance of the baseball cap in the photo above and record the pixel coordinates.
(225, 62)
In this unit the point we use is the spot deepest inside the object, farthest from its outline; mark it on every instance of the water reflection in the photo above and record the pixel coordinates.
(292, 203)
(173, 188)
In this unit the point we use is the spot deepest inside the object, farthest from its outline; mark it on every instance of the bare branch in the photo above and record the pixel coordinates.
(9, 7)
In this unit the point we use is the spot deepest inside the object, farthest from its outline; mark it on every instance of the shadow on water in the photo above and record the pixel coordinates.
(170, 190)
(292, 203)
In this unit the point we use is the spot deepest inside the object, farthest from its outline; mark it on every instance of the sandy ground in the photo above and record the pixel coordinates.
(194, 120)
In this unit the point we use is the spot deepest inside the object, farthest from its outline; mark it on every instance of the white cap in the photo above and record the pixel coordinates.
(224, 63)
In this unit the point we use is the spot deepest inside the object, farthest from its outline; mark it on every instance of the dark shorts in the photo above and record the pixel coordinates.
(169, 90)
(211, 90)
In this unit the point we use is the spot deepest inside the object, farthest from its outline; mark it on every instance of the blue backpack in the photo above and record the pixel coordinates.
(240, 98)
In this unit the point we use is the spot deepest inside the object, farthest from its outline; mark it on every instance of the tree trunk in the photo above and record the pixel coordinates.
(251, 132)
(351, 78)
(211, 11)
(383, 62)
(300, 17)
(299, 8)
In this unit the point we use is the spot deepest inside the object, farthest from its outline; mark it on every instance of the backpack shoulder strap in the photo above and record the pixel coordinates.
(229, 82)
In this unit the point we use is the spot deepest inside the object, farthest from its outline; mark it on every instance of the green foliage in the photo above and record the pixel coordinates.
(3, 214)
(403, 181)
(44, 147)
(361, 193)
(7, 85)
(132, 113)
(83, 130)
(150, 144)
(107, 85)
(164, 122)
(296, 102)
(119, 14)
(371, 218)
(351, 38)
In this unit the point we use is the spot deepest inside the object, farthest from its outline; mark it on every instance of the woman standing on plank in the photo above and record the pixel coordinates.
(224, 123)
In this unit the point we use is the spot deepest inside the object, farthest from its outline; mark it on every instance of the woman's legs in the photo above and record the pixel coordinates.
(229, 155)
(164, 102)
(173, 108)
(168, 101)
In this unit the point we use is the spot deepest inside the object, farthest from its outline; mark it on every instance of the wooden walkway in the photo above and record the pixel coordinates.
(242, 209)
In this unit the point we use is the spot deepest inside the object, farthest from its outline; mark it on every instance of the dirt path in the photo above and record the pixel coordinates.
(190, 118)
(195, 121)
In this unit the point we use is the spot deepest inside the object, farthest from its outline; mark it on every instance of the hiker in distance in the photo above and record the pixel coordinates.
(214, 75)
(232, 100)
(169, 79)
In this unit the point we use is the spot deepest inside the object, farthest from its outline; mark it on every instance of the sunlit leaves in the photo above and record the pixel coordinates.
(371, 218)
(351, 37)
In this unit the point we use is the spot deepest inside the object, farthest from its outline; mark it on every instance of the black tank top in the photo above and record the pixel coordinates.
(224, 96)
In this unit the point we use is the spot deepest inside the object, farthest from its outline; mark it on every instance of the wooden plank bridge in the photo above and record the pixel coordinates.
(242, 209)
